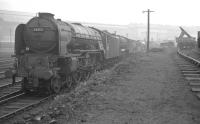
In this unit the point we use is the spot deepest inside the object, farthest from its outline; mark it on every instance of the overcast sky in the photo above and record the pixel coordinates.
(122, 12)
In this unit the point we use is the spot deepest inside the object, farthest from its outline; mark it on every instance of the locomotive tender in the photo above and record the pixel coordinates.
(51, 53)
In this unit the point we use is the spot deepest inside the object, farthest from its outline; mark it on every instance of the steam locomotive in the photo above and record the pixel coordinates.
(51, 53)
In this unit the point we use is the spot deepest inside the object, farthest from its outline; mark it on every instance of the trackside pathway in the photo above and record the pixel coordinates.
(147, 89)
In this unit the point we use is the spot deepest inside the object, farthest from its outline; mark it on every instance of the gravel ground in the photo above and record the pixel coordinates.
(142, 89)
(147, 91)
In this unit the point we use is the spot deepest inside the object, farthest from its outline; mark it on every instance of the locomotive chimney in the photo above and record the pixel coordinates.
(46, 15)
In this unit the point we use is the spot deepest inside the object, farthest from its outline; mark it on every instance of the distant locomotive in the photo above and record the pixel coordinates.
(51, 53)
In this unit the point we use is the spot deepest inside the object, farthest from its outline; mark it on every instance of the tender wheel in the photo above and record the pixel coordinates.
(55, 85)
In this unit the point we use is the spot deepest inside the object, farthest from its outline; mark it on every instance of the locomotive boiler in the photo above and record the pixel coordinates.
(51, 53)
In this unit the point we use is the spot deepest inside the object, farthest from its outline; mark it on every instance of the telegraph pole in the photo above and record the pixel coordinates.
(148, 27)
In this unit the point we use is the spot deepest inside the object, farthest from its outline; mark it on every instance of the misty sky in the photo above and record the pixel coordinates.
(122, 12)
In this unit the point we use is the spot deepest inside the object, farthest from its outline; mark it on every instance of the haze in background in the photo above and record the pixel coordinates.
(122, 12)
(124, 17)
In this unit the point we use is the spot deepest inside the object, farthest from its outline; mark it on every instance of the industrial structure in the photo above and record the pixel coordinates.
(185, 40)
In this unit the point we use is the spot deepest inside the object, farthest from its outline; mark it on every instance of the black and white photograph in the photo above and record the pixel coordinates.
(99, 62)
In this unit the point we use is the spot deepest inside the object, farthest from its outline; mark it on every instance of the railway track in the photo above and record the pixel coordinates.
(5, 63)
(2, 75)
(189, 68)
(18, 103)
(9, 89)
(14, 101)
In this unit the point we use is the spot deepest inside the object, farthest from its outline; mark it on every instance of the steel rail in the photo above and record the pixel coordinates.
(194, 61)
(23, 108)
(10, 84)
(10, 94)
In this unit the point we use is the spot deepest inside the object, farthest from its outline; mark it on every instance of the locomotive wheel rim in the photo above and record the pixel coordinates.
(55, 85)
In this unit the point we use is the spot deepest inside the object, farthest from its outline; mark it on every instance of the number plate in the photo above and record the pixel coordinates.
(38, 29)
